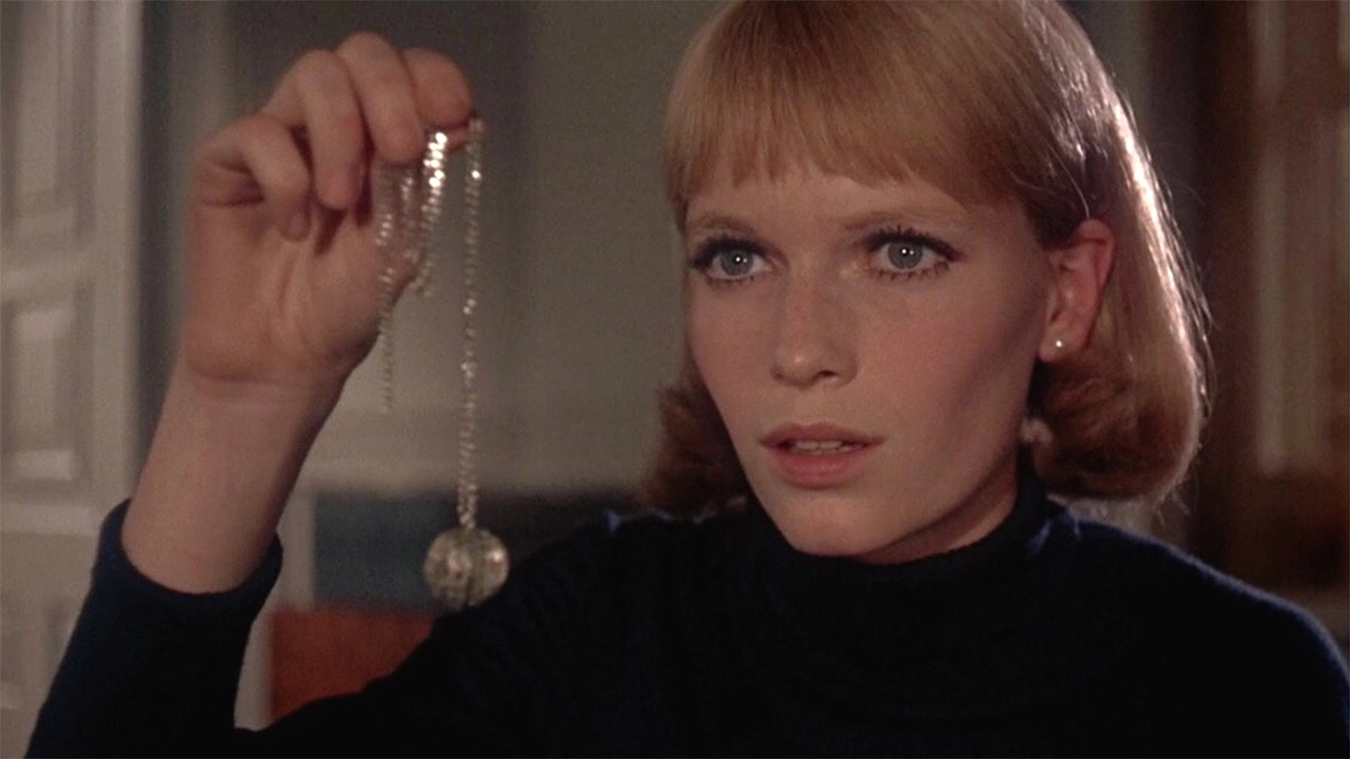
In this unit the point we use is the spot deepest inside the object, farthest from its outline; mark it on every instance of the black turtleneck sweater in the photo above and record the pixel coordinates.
(1049, 636)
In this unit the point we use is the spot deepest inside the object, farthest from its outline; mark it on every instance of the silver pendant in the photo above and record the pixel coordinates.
(465, 566)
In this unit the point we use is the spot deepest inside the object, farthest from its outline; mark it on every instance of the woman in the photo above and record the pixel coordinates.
(930, 277)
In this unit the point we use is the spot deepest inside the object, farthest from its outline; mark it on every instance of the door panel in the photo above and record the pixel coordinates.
(69, 131)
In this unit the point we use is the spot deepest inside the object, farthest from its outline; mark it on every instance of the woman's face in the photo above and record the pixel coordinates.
(869, 348)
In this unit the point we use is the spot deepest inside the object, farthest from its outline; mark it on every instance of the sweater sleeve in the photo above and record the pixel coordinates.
(154, 672)
(147, 666)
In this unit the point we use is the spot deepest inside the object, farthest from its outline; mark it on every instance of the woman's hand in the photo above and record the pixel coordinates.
(283, 300)
(283, 277)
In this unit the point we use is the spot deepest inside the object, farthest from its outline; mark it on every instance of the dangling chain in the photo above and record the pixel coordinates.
(407, 202)
(467, 565)
(467, 490)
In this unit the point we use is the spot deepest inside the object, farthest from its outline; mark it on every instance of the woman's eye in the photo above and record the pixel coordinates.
(906, 255)
(727, 261)
(734, 263)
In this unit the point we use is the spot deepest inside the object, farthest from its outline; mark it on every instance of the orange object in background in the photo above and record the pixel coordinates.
(327, 652)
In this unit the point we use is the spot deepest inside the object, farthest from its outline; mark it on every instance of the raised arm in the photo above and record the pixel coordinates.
(283, 300)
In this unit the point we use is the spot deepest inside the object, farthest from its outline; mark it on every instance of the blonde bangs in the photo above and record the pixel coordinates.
(783, 85)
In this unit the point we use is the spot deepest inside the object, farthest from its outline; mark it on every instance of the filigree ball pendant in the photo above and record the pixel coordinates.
(465, 566)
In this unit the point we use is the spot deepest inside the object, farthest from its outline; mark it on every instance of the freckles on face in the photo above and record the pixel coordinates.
(869, 348)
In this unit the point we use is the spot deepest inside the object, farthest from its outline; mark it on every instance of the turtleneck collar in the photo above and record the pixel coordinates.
(974, 629)
(1013, 539)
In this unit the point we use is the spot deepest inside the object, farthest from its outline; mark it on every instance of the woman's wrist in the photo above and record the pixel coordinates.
(222, 464)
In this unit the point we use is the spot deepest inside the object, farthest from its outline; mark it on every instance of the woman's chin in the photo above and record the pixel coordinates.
(824, 532)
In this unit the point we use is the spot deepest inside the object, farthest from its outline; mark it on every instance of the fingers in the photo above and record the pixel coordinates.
(316, 95)
(256, 159)
(367, 94)
(442, 92)
(384, 88)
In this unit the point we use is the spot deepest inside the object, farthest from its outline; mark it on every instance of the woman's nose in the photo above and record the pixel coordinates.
(814, 340)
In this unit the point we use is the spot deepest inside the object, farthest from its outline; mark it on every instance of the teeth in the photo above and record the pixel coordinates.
(822, 447)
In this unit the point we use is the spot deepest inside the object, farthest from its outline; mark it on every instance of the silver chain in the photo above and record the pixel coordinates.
(467, 490)
(408, 202)
(463, 566)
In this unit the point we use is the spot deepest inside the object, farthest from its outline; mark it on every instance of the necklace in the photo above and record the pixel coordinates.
(465, 565)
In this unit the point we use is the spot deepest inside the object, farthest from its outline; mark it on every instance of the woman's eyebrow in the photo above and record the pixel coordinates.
(906, 214)
(721, 222)
(918, 214)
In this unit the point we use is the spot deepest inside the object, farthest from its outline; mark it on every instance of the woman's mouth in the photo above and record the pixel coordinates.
(818, 456)
(819, 447)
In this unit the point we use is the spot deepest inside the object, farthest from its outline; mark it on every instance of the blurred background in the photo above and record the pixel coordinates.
(1244, 106)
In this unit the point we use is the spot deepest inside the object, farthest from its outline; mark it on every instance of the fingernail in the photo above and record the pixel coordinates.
(298, 226)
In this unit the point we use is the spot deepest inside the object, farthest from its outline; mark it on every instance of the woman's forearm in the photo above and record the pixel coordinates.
(219, 472)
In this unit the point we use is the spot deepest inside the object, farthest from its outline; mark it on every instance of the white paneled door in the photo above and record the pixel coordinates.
(69, 130)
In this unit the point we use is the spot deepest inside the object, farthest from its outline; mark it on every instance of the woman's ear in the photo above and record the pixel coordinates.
(1078, 271)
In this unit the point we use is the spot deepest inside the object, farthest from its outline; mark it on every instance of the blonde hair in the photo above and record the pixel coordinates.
(986, 100)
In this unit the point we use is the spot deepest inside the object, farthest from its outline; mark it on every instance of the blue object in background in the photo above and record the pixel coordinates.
(368, 547)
